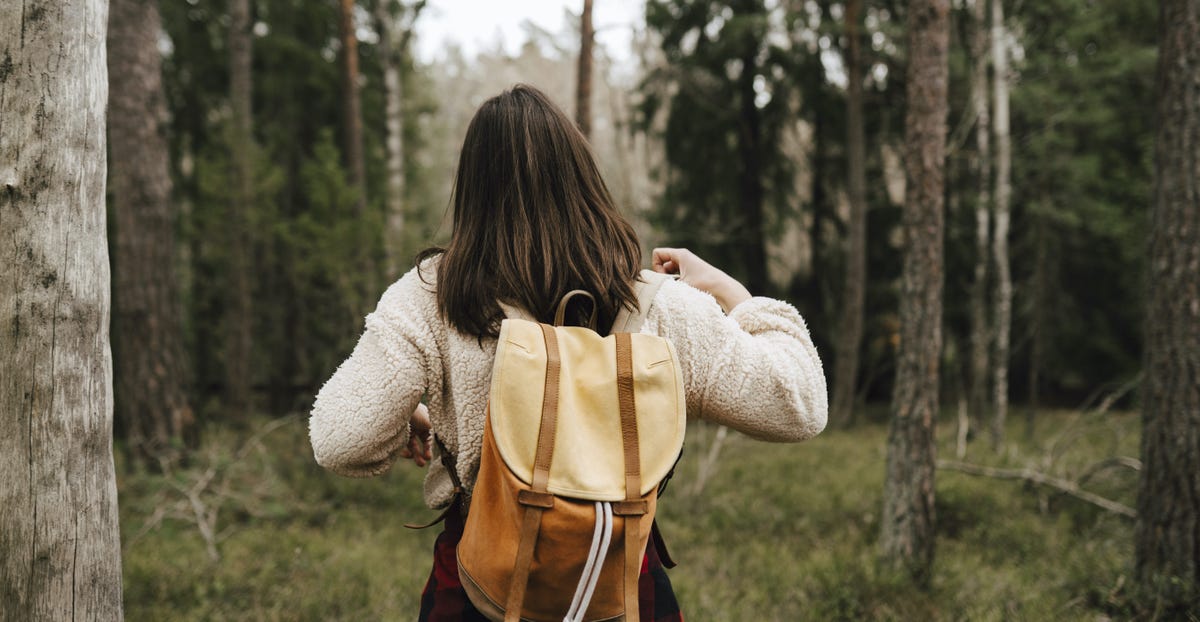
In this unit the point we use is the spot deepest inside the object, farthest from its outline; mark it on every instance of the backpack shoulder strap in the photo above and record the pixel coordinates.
(646, 287)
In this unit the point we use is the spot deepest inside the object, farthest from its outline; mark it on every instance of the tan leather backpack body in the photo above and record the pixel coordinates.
(581, 429)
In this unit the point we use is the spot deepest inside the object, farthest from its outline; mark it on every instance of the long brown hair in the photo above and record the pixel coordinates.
(532, 220)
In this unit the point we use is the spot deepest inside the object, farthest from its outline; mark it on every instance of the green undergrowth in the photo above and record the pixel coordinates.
(778, 532)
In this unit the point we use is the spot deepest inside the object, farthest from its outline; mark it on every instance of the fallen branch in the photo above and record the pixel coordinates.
(1042, 479)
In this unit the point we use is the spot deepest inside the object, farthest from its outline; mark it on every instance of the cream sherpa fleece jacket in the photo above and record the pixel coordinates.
(755, 370)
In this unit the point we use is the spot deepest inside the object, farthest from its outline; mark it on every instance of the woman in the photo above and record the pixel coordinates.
(532, 221)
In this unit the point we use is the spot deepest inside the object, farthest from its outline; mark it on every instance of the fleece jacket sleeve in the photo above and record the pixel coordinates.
(755, 370)
(359, 421)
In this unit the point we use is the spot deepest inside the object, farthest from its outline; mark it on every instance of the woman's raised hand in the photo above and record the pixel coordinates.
(700, 274)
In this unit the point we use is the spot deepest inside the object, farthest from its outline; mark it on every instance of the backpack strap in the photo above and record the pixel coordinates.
(451, 465)
(646, 287)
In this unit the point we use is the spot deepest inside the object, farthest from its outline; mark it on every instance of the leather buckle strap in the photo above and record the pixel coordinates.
(631, 508)
(633, 475)
(533, 498)
(538, 499)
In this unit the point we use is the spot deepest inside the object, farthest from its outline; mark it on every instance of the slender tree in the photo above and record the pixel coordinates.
(908, 496)
(583, 88)
(239, 319)
(1167, 535)
(60, 553)
(150, 363)
(750, 147)
(980, 326)
(1003, 296)
(854, 283)
(352, 106)
(394, 37)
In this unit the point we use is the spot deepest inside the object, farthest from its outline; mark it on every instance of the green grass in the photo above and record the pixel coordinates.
(781, 532)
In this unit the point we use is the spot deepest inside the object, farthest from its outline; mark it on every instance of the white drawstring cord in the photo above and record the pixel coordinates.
(587, 568)
(600, 554)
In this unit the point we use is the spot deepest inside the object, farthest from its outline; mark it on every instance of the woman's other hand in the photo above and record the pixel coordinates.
(418, 448)
(700, 274)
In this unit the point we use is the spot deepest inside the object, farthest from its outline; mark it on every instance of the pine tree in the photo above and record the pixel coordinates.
(908, 507)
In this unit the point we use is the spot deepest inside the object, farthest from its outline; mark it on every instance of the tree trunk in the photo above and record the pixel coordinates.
(908, 504)
(1037, 320)
(854, 285)
(980, 328)
(1003, 297)
(1167, 536)
(150, 363)
(352, 106)
(750, 175)
(390, 57)
(583, 88)
(239, 320)
(60, 552)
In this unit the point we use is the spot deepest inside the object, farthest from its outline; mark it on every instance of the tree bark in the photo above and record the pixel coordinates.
(393, 49)
(980, 327)
(352, 106)
(750, 181)
(60, 553)
(150, 363)
(239, 319)
(854, 284)
(583, 87)
(1167, 536)
(908, 506)
(1003, 296)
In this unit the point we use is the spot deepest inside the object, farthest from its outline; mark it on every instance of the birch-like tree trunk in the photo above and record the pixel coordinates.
(60, 552)
(854, 283)
(583, 84)
(1003, 296)
(908, 497)
(1167, 535)
(150, 364)
(239, 319)
(393, 49)
(980, 326)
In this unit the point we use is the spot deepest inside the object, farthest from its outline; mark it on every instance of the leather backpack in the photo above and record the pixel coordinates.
(581, 431)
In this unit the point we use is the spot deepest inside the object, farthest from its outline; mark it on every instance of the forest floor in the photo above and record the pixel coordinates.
(254, 530)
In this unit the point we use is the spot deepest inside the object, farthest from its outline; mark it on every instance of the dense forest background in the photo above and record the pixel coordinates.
(668, 139)
(957, 195)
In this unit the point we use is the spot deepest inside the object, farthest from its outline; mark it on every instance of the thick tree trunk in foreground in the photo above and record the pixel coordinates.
(908, 512)
(1167, 536)
(980, 327)
(150, 364)
(583, 87)
(1003, 298)
(239, 319)
(854, 284)
(60, 552)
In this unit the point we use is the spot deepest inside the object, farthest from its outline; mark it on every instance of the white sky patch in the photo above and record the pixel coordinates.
(484, 25)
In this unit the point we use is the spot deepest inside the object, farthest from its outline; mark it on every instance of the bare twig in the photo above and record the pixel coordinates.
(197, 497)
(1043, 479)
(709, 464)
